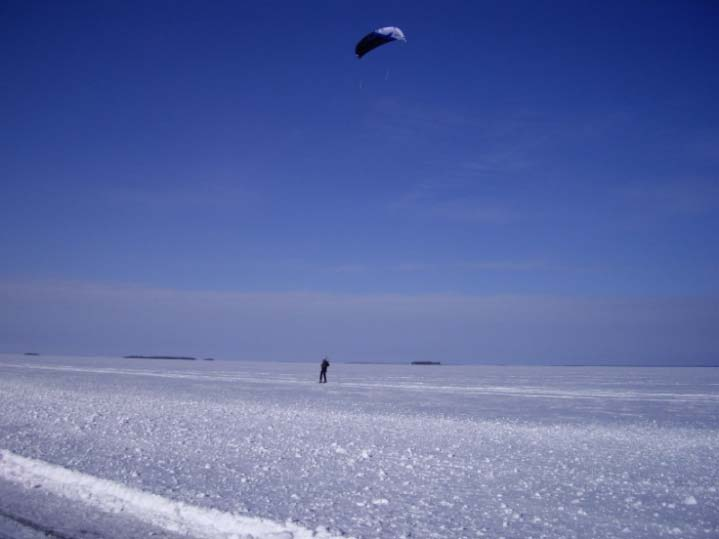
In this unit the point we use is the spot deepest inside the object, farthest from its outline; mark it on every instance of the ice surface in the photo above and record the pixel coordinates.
(379, 451)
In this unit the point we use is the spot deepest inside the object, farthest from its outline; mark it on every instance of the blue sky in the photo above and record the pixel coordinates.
(514, 170)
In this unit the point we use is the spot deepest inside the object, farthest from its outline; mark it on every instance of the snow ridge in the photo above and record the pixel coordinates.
(174, 516)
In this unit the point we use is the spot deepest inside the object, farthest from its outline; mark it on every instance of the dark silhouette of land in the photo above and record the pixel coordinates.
(189, 358)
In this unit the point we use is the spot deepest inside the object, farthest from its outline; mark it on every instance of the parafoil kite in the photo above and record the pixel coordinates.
(379, 37)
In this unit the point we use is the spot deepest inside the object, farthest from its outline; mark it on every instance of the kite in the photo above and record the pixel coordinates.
(381, 36)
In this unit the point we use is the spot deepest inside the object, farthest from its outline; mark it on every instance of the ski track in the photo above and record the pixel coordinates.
(419, 455)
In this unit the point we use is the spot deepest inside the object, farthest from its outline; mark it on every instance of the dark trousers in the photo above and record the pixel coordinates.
(323, 376)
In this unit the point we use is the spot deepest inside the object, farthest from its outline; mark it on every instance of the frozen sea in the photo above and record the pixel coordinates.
(116, 448)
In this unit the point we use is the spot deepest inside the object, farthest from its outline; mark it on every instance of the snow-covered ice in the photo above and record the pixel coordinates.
(130, 447)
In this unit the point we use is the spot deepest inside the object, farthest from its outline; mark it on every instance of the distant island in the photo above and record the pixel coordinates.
(189, 358)
(31, 354)
(425, 363)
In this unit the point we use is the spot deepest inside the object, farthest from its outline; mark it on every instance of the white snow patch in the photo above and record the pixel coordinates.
(174, 516)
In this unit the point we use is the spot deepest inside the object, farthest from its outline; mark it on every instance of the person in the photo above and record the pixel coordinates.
(323, 370)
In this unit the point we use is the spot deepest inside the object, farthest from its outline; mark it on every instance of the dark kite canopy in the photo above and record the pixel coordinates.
(381, 36)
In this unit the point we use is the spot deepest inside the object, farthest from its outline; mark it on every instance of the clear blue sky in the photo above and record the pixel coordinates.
(519, 182)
